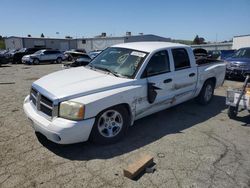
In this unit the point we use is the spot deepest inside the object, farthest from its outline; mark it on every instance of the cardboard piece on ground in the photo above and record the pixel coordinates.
(135, 168)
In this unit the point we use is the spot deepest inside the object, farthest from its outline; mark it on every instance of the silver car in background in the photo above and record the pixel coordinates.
(43, 56)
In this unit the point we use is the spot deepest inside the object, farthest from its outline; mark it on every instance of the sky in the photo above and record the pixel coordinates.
(214, 20)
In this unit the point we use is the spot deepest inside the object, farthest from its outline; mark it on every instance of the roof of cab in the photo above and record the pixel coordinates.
(148, 46)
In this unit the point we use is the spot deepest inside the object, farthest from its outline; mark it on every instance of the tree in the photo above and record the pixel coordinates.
(29, 35)
(1, 37)
(198, 40)
(42, 35)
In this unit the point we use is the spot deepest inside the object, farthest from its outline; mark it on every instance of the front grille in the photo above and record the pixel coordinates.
(41, 102)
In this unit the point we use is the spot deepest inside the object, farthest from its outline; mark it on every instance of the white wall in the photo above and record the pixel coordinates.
(98, 44)
(241, 42)
(13, 43)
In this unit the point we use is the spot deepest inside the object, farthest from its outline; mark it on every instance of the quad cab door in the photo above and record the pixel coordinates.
(158, 78)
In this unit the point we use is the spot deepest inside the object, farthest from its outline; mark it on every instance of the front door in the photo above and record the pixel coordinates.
(158, 74)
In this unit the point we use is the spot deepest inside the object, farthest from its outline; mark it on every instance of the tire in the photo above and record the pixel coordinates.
(70, 58)
(110, 125)
(231, 112)
(59, 60)
(36, 61)
(206, 93)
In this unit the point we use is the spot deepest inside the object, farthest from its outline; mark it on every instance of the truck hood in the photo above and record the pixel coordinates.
(77, 82)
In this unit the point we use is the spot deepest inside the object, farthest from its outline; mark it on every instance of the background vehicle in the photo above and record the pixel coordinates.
(3, 59)
(44, 56)
(17, 56)
(93, 54)
(122, 84)
(72, 55)
(77, 50)
(7, 56)
(226, 54)
(214, 54)
(82, 60)
(239, 63)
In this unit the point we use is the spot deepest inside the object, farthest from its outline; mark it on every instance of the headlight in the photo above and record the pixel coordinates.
(71, 110)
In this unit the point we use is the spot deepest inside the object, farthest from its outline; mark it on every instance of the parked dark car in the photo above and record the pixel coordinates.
(3, 59)
(17, 57)
(239, 63)
(226, 54)
(214, 54)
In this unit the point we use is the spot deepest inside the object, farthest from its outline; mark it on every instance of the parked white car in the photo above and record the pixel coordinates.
(122, 84)
(43, 56)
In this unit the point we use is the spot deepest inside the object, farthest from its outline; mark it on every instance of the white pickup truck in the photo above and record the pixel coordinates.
(122, 84)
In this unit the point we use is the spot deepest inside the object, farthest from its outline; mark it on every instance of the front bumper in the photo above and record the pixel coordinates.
(27, 61)
(58, 130)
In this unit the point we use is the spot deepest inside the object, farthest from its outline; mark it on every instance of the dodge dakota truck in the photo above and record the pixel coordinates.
(122, 84)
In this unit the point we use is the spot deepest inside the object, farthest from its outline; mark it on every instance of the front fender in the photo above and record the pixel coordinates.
(97, 102)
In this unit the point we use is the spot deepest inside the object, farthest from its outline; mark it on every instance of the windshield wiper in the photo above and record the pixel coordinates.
(107, 70)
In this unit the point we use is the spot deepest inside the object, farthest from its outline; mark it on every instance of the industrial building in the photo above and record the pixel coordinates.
(241, 41)
(30, 42)
(89, 44)
(100, 43)
(238, 42)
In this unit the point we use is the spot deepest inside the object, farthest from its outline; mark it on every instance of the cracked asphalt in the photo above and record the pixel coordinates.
(192, 145)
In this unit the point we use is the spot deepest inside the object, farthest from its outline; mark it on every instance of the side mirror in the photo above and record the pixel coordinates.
(151, 93)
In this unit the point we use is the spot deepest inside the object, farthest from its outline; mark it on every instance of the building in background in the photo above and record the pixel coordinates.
(100, 43)
(30, 42)
(89, 44)
(241, 41)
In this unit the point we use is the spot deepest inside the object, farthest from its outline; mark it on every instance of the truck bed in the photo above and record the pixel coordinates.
(204, 61)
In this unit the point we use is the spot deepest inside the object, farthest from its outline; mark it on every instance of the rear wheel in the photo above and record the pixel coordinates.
(231, 112)
(206, 93)
(110, 125)
(59, 60)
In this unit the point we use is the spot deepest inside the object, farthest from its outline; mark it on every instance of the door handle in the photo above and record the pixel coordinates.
(167, 81)
(191, 75)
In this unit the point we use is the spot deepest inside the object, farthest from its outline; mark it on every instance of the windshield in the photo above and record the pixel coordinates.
(119, 61)
(242, 53)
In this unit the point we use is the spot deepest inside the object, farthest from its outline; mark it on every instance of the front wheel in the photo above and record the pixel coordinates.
(110, 125)
(206, 93)
(36, 61)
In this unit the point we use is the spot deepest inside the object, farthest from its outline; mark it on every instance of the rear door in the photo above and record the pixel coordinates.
(45, 56)
(185, 78)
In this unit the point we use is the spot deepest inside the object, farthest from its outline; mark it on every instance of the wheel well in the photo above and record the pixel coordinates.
(213, 79)
(127, 107)
(124, 105)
